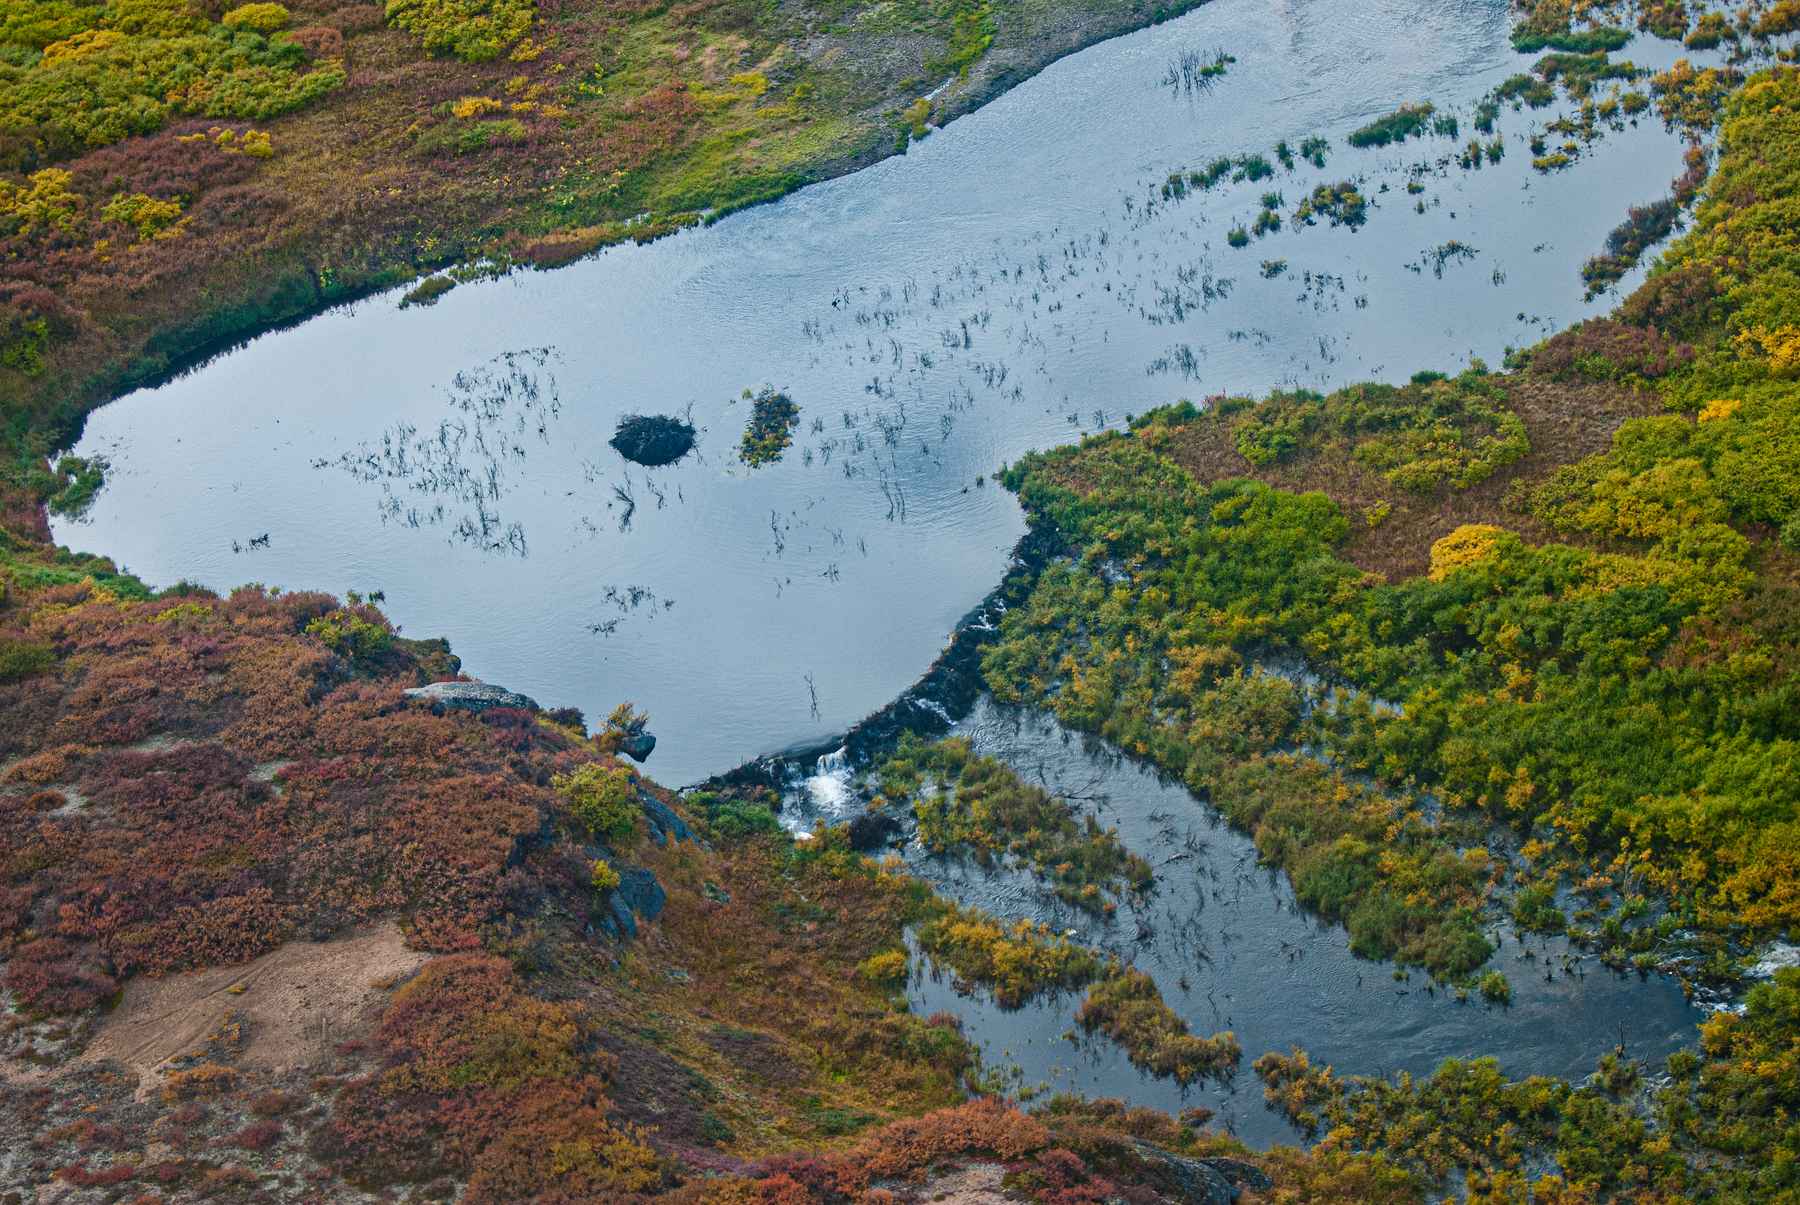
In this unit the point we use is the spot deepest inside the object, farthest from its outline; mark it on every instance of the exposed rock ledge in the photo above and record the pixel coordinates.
(469, 696)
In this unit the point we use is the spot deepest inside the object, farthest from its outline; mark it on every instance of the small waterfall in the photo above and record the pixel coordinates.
(827, 789)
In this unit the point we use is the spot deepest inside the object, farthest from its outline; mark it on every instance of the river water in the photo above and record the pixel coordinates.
(1231, 948)
(1002, 286)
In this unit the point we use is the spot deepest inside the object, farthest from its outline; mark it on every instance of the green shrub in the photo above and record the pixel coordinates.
(1586, 41)
(1128, 1007)
(773, 417)
(1534, 909)
(104, 84)
(147, 216)
(602, 798)
(81, 479)
(972, 30)
(24, 658)
(1397, 126)
(427, 291)
(1341, 204)
(263, 18)
(349, 634)
(472, 30)
(736, 818)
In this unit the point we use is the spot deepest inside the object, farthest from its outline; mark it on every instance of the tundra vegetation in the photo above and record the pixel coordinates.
(1550, 619)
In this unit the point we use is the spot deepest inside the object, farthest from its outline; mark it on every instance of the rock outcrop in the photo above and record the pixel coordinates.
(474, 697)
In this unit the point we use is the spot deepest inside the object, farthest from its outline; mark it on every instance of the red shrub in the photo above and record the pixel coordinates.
(655, 123)
(257, 1136)
(51, 975)
(1602, 350)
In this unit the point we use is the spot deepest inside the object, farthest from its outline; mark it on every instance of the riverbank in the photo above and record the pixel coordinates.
(592, 127)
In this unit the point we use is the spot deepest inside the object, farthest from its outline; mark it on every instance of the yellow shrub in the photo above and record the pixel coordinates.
(44, 201)
(1718, 408)
(475, 106)
(1781, 347)
(601, 797)
(146, 215)
(605, 878)
(1470, 544)
(263, 18)
(87, 42)
(886, 969)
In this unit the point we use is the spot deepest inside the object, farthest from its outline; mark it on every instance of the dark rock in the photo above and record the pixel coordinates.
(873, 830)
(641, 892)
(637, 895)
(619, 921)
(638, 745)
(653, 439)
(474, 697)
(1244, 1175)
(665, 824)
(1206, 1181)
(1200, 1181)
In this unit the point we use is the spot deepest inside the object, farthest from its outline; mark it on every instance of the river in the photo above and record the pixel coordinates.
(1231, 949)
(1009, 283)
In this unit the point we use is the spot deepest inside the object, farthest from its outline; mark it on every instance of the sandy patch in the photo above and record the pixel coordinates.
(979, 1184)
(295, 1003)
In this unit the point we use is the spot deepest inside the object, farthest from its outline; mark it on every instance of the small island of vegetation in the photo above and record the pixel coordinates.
(770, 431)
(653, 440)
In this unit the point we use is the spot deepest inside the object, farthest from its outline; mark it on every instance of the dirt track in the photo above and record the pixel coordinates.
(294, 1004)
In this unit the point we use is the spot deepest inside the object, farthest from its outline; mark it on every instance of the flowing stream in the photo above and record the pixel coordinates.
(1230, 948)
(1011, 282)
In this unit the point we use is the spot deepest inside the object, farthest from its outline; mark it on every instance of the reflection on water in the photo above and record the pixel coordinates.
(1231, 949)
(1013, 281)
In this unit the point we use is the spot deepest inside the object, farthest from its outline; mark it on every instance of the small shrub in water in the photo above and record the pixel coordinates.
(1397, 126)
(653, 439)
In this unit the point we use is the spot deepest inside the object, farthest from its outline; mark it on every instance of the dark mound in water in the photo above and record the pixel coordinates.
(653, 439)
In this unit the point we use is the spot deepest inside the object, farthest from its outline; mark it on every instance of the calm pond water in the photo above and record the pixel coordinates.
(1003, 286)
(1231, 949)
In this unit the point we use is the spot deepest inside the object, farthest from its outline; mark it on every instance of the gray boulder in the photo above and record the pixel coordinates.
(473, 697)
(665, 825)
(637, 895)
(638, 745)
